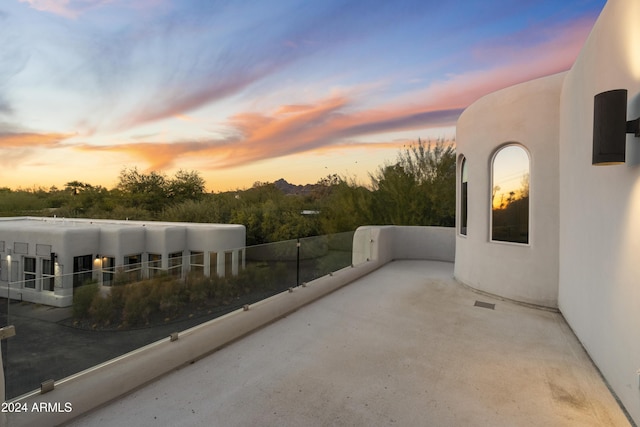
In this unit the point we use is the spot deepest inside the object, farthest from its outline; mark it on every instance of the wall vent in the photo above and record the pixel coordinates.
(485, 305)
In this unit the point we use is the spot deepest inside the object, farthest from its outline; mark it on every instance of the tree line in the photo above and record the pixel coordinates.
(417, 189)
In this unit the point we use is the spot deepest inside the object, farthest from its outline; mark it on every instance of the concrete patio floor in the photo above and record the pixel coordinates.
(404, 345)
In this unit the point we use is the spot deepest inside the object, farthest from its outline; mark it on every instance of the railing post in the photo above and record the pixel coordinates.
(298, 262)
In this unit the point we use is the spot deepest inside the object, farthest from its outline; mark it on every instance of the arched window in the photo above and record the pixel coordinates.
(464, 178)
(510, 195)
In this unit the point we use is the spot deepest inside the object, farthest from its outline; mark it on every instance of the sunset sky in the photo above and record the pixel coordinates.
(246, 91)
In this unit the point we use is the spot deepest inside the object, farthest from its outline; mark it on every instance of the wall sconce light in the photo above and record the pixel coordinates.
(610, 127)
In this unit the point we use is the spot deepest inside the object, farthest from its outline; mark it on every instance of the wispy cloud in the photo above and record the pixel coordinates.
(511, 63)
(31, 140)
(335, 121)
(12, 60)
(257, 80)
(70, 9)
(289, 130)
(201, 53)
(17, 147)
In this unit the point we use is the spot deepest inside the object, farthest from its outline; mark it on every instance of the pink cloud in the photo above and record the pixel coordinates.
(327, 124)
(556, 52)
(31, 140)
(332, 122)
(15, 148)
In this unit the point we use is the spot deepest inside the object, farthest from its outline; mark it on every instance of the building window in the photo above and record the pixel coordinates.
(82, 268)
(108, 270)
(133, 267)
(48, 275)
(464, 179)
(29, 272)
(510, 195)
(155, 264)
(196, 263)
(175, 264)
(213, 263)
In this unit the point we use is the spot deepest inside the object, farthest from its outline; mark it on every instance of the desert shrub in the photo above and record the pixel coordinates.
(120, 277)
(118, 296)
(82, 298)
(221, 289)
(101, 309)
(170, 296)
(199, 288)
(137, 305)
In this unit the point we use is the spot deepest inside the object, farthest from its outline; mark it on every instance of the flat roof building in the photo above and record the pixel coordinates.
(43, 259)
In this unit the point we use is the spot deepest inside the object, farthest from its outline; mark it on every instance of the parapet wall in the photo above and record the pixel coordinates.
(391, 242)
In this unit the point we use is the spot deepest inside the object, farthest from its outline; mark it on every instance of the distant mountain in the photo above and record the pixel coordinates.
(288, 188)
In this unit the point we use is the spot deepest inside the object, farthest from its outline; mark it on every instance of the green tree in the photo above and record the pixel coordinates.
(345, 207)
(185, 185)
(140, 190)
(419, 189)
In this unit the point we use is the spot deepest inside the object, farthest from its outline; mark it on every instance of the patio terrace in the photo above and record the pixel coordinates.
(403, 345)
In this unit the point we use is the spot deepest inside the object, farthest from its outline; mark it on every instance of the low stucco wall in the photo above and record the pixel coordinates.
(387, 243)
(373, 247)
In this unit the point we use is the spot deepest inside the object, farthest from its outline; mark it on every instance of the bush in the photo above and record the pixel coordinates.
(199, 288)
(82, 298)
(101, 309)
(137, 305)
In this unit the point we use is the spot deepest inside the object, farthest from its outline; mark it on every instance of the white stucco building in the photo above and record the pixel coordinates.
(582, 228)
(43, 259)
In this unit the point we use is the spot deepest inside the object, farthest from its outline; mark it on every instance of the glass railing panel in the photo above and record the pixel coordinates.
(321, 255)
(271, 268)
(116, 310)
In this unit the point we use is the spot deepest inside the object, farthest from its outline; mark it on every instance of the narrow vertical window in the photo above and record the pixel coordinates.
(197, 263)
(82, 270)
(48, 274)
(133, 267)
(510, 195)
(464, 179)
(108, 270)
(175, 264)
(29, 272)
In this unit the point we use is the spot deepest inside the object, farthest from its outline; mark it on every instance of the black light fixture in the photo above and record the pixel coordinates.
(610, 127)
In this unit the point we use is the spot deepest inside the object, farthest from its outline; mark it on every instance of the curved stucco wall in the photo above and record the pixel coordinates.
(526, 114)
(600, 207)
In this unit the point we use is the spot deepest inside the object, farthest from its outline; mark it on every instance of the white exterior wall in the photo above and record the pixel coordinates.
(526, 114)
(593, 210)
(600, 207)
(103, 238)
(165, 240)
(118, 242)
(219, 241)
